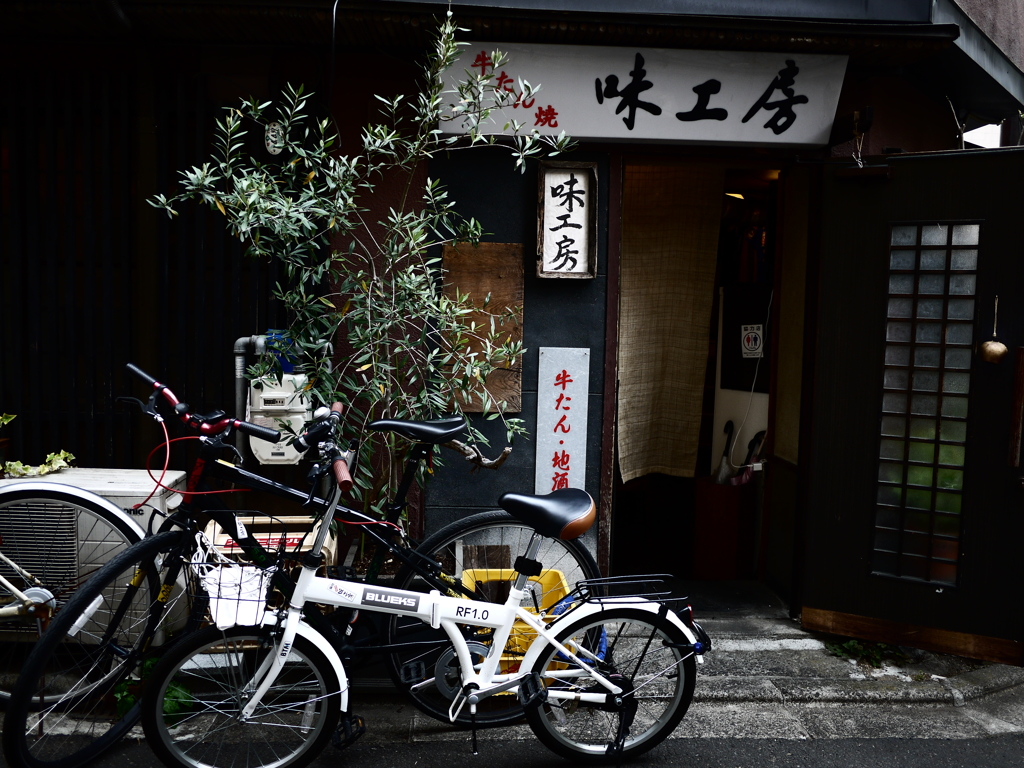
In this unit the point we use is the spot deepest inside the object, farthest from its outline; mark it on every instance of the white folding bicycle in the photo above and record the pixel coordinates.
(606, 674)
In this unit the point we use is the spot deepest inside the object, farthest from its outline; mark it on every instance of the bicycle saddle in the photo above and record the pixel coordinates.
(434, 432)
(566, 514)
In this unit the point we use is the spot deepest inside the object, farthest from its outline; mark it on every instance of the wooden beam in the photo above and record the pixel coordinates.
(981, 647)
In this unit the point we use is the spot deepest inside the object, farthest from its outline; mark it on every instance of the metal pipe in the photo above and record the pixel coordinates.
(244, 345)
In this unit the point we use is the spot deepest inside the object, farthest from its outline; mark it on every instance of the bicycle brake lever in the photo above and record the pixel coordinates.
(148, 408)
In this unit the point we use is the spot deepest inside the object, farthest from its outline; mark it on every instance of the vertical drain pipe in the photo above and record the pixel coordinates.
(244, 345)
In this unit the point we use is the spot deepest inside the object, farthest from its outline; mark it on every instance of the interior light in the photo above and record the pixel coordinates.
(737, 195)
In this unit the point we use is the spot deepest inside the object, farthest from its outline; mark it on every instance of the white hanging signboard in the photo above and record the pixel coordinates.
(563, 383)
(656, 94)
(567, 220)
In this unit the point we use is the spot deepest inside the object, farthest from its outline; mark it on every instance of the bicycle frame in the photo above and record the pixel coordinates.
(447, 613)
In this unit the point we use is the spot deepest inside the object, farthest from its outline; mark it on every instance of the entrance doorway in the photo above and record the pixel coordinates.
(697, 265)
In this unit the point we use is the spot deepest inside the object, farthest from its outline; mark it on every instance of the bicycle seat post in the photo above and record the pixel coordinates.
(526, 565)
(417, 453)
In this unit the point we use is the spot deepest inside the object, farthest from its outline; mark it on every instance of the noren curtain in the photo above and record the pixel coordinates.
(670, 224)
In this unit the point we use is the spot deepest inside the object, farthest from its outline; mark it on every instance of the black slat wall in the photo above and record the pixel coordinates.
(91, 277)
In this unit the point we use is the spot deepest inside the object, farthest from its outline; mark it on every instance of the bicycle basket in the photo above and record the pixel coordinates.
(237, 593)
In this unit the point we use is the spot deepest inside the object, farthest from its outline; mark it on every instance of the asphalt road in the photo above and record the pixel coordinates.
(992, 752)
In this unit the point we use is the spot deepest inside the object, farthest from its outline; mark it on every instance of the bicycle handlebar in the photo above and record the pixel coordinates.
(207, 425)
(322, 431)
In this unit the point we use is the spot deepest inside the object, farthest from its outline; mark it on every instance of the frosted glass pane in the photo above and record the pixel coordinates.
(888, 494)
(904, 235)
(966, 261)
(929, 309)
(952, 479)
(900, 307)
(962, 285)
(923, 429)
(922, 452)
(958, 358)
(924, 405)
(954, 431)
(944, 573)
(902, 283)
(952, 454)
(886, 517)
(919, 499)
(955, 407)
(960, 333)
(894, 426)
(898, 379)
(891, 473)
(926, 357)
(966, 234)
(895, 355)
(927, 284)
(894, 402)
(902, 259)
(961, 309)
(897, 332)
(956, 383)
(929, 333)
(926, 381)
(933, 234)
(918, 522)
(933, 260)
(892, 450)
(887, 540)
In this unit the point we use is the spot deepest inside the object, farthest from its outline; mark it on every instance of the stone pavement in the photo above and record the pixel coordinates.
(768, 678)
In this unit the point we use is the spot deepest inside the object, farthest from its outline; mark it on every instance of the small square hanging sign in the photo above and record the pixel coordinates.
(567, 220)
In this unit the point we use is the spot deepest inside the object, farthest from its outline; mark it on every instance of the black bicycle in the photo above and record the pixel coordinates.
(158, 591)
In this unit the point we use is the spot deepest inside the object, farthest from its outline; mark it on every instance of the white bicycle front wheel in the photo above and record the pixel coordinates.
(191, 708)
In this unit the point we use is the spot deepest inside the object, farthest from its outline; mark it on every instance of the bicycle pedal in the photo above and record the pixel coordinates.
(413, 672)
(348, 731)
(531, 691)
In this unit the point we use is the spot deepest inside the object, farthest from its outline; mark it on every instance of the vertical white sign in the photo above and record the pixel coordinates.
(566, 222)
(563, 385)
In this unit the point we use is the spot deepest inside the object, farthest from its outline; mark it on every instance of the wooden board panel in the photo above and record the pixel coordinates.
(927, 638)
(497, 269)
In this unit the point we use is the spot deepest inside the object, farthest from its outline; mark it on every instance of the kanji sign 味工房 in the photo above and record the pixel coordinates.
(567, 221)
(654, 94)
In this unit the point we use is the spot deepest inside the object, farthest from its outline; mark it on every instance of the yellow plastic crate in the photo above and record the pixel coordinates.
(550, 587)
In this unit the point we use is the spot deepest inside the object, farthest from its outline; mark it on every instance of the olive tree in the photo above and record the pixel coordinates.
(374, 289)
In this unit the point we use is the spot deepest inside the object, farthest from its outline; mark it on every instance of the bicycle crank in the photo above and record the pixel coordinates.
(448, 673)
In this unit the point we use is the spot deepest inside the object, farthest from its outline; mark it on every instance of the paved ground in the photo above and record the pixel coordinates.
(768, 694)
(766, 678)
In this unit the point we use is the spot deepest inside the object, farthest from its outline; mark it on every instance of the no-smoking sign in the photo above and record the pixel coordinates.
(753, 340)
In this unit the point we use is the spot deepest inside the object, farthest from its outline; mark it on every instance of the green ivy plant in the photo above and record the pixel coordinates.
(54, 461)
(406, 347)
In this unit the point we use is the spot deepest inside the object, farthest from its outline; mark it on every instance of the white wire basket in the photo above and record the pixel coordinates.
(237, 593)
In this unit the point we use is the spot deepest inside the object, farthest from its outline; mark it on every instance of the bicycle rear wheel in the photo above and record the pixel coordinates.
(190, 711)
(91, 662)
(479, 551)
(643, 653)
(61, 538)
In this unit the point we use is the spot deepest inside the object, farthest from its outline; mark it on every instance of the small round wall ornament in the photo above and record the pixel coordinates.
(275, 138)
